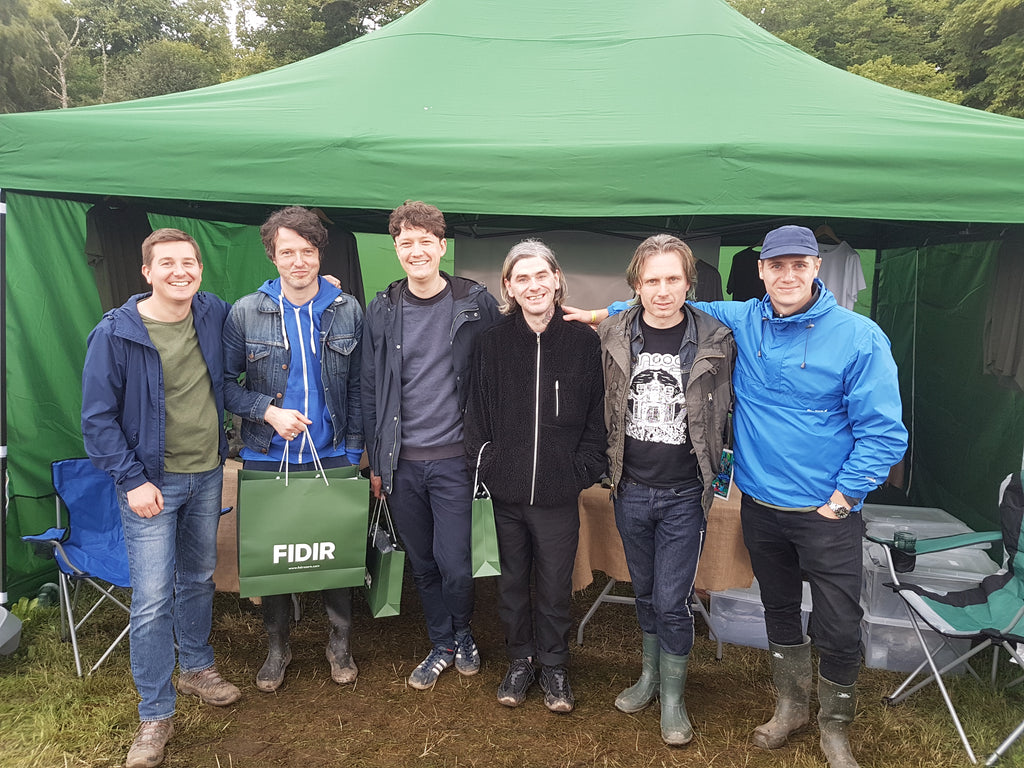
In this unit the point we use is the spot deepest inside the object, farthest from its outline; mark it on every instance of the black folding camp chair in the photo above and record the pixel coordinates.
(990, 615)
(89, 549)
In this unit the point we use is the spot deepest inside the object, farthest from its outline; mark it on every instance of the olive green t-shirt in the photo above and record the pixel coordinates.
(192, 430)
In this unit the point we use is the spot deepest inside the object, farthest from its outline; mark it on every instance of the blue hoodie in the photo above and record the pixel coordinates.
(304, 390)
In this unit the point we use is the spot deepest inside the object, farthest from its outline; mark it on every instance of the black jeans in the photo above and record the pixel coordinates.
(540, 541)
(431, 504)
(789, 547)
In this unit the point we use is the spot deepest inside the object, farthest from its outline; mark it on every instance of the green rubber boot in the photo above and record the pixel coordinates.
(643, 691)
(838, 706)
(791, 672)
(675, 725)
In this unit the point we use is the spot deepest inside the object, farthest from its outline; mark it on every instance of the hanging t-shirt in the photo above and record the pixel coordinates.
(744, 280)
(841, 272)
(657, 450)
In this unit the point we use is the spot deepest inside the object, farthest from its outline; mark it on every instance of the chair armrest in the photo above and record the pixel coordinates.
(942, 543)
(51, 534)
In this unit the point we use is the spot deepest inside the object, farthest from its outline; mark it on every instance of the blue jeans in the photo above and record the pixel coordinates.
(431, 503)
(788, 547)
(662, 532)
(171, 558)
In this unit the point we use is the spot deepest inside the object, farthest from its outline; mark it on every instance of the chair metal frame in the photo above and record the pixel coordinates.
(71, 577)
(1003, 637)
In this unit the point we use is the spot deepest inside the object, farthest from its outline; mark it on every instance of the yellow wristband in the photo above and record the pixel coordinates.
(593, 317)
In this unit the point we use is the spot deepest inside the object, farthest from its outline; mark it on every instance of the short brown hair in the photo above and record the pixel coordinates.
(298, 219)
(167, 235)
(415, 214)
(661, 244)
(525, 250)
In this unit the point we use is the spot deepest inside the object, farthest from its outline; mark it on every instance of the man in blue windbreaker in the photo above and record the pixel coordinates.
(818, 424)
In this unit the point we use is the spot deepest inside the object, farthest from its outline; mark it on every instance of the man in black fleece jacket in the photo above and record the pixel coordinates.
(535, 425)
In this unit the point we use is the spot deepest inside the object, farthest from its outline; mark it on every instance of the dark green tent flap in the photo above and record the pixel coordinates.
(573, 109)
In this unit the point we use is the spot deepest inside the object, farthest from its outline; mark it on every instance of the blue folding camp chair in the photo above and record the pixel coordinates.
(990, 615)
(89, 550)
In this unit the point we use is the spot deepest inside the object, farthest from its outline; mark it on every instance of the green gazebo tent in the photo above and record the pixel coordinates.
(676, 115)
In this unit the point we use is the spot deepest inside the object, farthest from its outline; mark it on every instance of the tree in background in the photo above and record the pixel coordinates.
(963, 51)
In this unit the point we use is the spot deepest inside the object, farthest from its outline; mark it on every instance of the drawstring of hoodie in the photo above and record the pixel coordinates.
(302, 354)
(807, 340)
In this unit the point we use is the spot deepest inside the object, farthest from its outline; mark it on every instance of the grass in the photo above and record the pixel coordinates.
(48, 717)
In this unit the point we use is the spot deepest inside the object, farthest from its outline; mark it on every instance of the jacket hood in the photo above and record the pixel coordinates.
(324, 298)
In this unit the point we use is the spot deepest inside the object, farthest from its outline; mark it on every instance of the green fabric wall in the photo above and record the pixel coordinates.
(967, 431)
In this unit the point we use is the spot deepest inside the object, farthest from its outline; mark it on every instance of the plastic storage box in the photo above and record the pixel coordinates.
(881, 520)
(950, 571)
(738, 615)
(892, 644)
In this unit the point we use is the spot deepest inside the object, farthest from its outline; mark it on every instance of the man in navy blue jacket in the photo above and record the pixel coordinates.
(152, 404)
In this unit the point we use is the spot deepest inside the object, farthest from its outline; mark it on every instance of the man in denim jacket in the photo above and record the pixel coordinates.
(295, 341)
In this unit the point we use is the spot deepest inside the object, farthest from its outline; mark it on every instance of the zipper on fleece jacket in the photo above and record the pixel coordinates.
(536, 423)
(556, 398)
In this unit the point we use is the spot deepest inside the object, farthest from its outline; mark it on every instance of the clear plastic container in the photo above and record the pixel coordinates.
(738, 616)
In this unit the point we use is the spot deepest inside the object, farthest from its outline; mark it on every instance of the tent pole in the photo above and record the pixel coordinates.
(3, 394)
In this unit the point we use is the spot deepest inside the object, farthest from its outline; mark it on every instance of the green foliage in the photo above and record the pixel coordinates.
(987, 40)
(289, 30)
(963, 51)
(21, 60)
(165, 66)
(922, 78)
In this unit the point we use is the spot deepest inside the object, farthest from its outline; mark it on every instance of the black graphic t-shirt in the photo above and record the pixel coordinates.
(658, 451)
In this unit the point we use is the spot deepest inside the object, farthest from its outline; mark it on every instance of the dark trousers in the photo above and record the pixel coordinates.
(537, 541)
(662, 532)
(787, 548)
(277, 609)
(431, 504)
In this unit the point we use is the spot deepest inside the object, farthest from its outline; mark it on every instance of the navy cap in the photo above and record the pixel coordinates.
(789, 240)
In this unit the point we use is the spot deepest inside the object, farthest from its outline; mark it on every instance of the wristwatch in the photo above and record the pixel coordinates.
(838, 510)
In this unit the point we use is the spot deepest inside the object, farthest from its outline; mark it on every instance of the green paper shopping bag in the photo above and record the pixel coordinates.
(301, 531)
(485, 557)
(385, 565)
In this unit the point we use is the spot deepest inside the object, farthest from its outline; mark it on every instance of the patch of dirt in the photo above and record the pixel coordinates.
(381, 721)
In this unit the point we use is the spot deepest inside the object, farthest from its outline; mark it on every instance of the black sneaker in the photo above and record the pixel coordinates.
(554, 681)
(512, 691)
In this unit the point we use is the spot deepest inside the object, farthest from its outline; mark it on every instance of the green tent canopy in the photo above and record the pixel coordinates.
(574, 109)
(669, 115)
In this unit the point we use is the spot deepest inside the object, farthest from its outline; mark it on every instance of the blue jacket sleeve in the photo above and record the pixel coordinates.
(103, 387)
(876, 417)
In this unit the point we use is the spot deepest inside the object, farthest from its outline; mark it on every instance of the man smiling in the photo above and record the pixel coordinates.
(152, 399)
(535, 417)
(417, 340)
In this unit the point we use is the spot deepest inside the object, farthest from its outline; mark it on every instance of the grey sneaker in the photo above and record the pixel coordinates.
(209, 686)
(520, 676)
(426, 674)
(467, 655)
(554, 681)
(148, 747)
